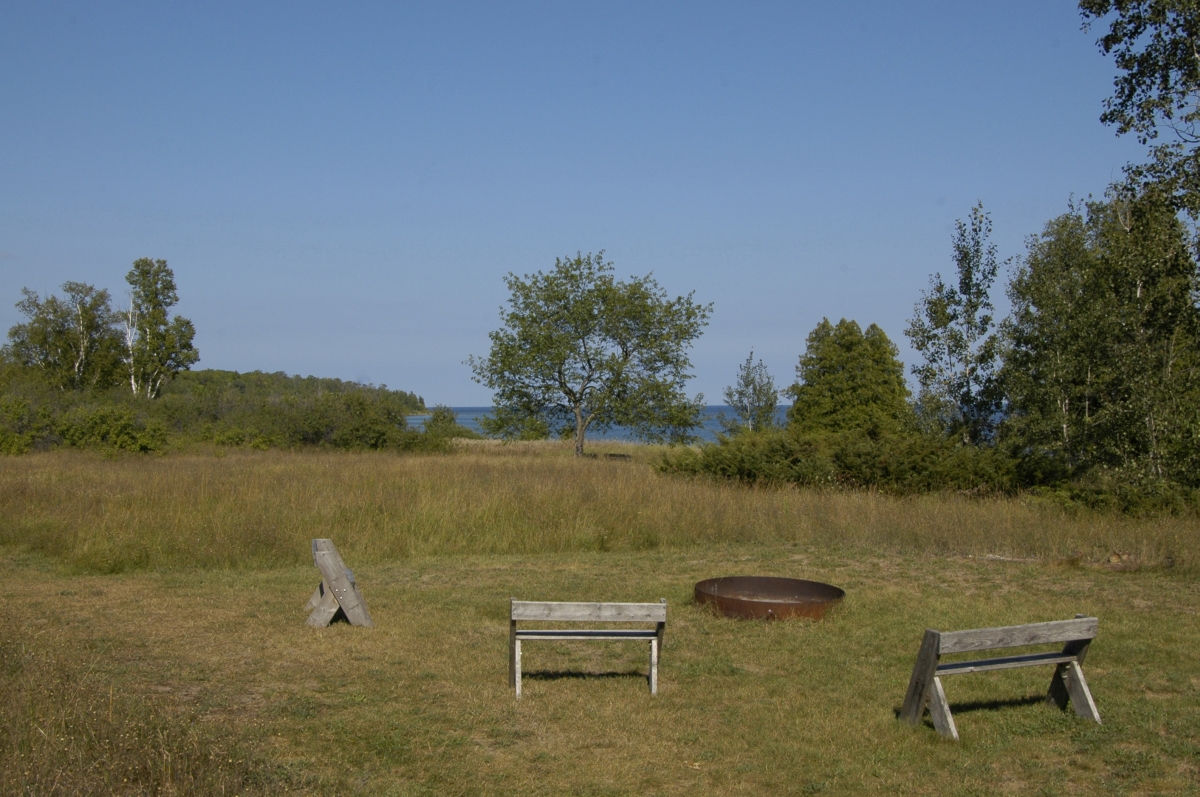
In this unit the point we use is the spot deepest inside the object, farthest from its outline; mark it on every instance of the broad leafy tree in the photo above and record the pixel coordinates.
(157, 346)
(1156, 46)
(1103, 362)
(754, 398)
(849, 381)
(953, 330)
(72, 341)
(581, 350)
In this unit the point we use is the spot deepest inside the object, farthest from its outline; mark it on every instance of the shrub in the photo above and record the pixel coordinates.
(900, 464)
(112, 428)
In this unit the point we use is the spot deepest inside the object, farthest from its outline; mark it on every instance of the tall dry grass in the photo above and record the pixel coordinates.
(256, 509)
(65, 731)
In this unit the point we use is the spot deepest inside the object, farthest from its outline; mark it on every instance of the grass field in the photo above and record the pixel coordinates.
(154, 640)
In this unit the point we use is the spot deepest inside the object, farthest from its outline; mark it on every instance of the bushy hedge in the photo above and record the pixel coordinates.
(904, 464)
(894, 463)
(224, 408)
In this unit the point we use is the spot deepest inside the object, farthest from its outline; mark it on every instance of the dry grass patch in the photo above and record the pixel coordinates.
(256, 509)
(421, 704)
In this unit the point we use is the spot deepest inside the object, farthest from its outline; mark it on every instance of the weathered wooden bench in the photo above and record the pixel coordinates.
(1067, 685)
(552, 611)
(337, 592)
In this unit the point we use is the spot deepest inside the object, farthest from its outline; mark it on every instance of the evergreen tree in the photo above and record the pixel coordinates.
(849, 381)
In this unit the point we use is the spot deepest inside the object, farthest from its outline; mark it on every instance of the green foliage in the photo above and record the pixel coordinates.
(754, 398)
(72, 341)
(1103, 368)
(442, 424)
(893, 463)
(110, 428)
(849, 381)
(579, 349)
(1154, 45)
(157, 346)
(953, 332)
(220, 407)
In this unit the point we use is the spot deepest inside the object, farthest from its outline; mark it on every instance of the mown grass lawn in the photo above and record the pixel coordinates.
(218, 674)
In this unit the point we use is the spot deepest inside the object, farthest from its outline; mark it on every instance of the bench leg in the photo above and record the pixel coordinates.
(1058, 694)
(920, 683)
(939, 711)
(512, 655)
(1081, 696)
(654, 666)
(516, 665)
(1069, 686)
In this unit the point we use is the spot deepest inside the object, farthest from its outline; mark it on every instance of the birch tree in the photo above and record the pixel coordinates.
(157, 346)
(73, 341)
(754, 398)
(1103, 361)
(953, 331)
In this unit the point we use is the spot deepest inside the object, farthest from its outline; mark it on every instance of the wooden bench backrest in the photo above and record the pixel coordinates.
(1013, 636)
(590, 612)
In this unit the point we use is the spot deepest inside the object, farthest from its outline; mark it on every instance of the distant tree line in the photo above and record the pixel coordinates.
(1088, 391)
(77, 373)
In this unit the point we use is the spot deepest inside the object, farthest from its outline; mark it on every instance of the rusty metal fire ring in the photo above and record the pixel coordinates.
(767, 596)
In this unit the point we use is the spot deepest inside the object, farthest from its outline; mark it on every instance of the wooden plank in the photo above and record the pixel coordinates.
(654, 665)
(342, 588)
(1057, 693)
(585, 633)
(1003, 663)
(326, 608)
(315, 599)
(1017, 635)
(517, 667)
(939, 711)
(512, 652)
(1081, 696)
(590, 612)
(661, 629)
(924, 670)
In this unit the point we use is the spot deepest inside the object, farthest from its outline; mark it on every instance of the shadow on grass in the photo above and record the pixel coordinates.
(996, 705)
(569, 675)
(985, 705)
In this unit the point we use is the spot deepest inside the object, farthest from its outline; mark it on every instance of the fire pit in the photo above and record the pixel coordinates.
(767, 596)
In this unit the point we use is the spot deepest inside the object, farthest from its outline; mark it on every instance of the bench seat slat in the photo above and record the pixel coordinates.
(590, 633)
(590, 612)
(1018, 635)
(1002, 663)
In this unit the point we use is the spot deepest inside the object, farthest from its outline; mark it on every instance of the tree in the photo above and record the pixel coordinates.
(1156, 45)
(1103, 362)
(848, 381)
(579, 350)
(72, 340)
(953, 331)
(156, 346)
(754, 398)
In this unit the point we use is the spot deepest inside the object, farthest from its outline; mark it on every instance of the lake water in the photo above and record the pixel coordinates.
(710, 417)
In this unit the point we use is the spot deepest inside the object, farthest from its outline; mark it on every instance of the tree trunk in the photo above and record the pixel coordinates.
(581, 425)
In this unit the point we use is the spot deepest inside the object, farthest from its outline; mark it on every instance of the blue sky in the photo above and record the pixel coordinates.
(340, 188)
